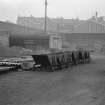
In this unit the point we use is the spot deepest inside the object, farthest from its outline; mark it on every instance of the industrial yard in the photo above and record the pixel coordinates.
(77, 85)
(52, 54)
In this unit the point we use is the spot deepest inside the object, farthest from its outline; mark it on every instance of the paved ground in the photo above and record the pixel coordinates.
(79, 85)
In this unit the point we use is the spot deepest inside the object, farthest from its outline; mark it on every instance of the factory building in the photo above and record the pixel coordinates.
(89, 26)
(53, 24)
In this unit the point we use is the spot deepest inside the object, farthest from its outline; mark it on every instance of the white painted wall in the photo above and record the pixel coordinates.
(55, 42)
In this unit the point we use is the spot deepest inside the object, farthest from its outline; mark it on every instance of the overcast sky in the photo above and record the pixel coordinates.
(9, 9)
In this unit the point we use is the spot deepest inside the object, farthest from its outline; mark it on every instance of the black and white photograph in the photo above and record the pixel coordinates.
(52, 52)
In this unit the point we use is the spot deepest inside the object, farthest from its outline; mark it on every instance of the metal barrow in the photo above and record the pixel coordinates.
(43, 62)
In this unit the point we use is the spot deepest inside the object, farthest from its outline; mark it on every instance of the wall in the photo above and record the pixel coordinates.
(30, 42)
(55, 42)
(86, 40)
(4, 38)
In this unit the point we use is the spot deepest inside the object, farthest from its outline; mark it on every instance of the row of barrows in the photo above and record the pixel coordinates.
(60, 60)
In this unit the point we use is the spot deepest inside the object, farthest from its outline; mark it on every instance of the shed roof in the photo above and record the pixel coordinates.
(18, 29)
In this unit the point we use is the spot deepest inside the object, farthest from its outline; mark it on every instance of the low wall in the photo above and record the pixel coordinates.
(88, 40)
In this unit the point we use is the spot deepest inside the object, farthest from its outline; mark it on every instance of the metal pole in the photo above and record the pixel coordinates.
(45, 24)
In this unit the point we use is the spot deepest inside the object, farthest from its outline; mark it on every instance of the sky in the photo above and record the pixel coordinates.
(82, 9)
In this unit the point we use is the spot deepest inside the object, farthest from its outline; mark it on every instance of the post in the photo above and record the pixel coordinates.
(45, 24)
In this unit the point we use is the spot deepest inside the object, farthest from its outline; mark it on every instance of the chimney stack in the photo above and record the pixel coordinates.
(96, 15)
